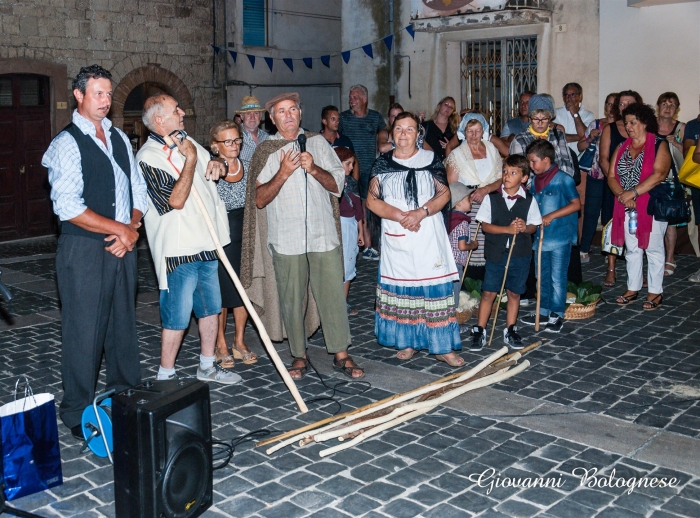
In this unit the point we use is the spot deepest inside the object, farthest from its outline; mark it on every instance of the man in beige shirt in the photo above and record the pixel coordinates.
(294, 188)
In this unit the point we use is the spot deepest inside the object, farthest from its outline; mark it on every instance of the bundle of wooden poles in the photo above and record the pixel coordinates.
(355, 426)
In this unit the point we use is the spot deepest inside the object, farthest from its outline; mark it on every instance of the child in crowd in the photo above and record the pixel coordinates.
(351, 224)
(504, 214)
(458, 228)
(559, 203)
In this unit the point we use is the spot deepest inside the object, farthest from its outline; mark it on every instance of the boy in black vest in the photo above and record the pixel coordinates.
(504, 214)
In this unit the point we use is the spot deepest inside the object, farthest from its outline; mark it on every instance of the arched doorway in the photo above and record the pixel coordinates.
(135, 88)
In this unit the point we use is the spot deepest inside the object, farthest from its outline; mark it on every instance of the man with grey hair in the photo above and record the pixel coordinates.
(183, 250)
(572, 116)
(99, 197)
(361, 126)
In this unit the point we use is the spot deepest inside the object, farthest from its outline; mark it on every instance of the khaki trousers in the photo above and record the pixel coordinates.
(324, 270)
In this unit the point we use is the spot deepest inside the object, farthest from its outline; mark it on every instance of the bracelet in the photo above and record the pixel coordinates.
(636, 194)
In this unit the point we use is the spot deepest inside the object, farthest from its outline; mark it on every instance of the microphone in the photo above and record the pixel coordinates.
(301, 139)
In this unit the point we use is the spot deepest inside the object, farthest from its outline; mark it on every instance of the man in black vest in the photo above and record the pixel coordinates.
(100, 198)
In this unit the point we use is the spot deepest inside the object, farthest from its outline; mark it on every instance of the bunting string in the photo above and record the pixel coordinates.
(325, 59)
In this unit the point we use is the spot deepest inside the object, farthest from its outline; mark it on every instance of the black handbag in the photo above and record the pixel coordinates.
(667, 201)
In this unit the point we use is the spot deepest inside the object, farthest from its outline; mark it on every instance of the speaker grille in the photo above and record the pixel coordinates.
(184, 483)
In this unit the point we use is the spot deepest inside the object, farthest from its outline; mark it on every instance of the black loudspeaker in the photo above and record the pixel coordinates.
(162, 450)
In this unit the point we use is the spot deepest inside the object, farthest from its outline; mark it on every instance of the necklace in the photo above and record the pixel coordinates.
(637, 148)
(237, 170)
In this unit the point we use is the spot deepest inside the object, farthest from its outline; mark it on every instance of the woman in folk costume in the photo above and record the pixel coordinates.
(414, 307)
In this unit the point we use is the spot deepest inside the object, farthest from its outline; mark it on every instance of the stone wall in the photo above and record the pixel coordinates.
(125, 36)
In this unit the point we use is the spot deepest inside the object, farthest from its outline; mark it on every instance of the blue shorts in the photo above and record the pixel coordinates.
(192, 286)
(518, 270)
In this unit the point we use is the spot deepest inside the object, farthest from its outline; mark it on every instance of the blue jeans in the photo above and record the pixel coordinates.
(191, 286)
(554, 272)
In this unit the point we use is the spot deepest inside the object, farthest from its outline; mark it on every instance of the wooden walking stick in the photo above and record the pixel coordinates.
(249, 306)
(469, 258)
(503, 285)
(539, 279)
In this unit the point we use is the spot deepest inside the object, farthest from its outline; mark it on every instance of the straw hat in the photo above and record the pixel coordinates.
(250, 104)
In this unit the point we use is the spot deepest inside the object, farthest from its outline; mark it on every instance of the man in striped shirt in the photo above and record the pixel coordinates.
(361, 125)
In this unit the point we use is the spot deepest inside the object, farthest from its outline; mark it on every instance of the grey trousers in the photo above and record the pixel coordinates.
(98, 313)
(324, 271)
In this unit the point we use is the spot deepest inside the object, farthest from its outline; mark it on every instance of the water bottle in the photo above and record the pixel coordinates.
(633, 222)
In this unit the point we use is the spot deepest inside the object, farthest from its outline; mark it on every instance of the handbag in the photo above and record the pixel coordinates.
(606, 242)
(585, 161)
(31, 458)
(689, 173)
(667, 201)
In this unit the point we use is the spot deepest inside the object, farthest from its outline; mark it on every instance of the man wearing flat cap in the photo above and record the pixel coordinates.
(251, 113)
(291, 264)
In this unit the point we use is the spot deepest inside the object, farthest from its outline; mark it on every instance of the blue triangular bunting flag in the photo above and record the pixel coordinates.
(409, 29)
(346, 56)
(368, 50)
(289, 63)
(269, 63)
(389, 40)
(216, 49)
(234, 55)
(308, 62)
(326, 60)
(252, 60)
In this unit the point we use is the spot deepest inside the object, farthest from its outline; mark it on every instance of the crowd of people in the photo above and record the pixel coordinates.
(296, 209)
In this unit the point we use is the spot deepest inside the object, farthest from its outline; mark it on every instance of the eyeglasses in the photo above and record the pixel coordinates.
(575, 94)
(546, 119)
(230, 141)
(667, 104)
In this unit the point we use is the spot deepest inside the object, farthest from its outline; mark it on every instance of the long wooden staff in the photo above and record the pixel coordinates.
(249, 306)
(503, 285)
(539, 279)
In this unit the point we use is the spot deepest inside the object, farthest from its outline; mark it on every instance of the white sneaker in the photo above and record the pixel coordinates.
(695, 277)
(218, 375)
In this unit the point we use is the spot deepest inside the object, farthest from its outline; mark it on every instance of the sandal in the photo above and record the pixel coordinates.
(248, 357)
(610, 282)
(225, 361)
(670, 269)
(625, 299)
(651, 304)
(452, 361)
(301, 370)
(342, 366)
(405, 354)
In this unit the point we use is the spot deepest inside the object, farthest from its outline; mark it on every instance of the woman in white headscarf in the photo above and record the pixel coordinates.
(475, 163)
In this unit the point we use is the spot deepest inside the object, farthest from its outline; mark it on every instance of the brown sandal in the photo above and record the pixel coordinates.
(301, 370)
(610, 283)
(455, 361)
(652, 304)
(342, 366)
(623, 300)
(225, 361)
(247, 357)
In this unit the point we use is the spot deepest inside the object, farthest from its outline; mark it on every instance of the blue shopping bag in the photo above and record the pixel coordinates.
(31, 458)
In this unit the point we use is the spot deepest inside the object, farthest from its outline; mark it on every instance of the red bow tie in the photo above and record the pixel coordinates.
(514, 197)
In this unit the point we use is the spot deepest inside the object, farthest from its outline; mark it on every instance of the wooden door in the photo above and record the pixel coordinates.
(25, 133)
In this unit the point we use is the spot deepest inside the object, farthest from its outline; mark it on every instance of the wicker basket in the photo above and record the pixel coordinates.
(579, 311)
(464, 316)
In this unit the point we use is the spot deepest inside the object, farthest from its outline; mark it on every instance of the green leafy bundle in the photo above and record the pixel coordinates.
(586, 292)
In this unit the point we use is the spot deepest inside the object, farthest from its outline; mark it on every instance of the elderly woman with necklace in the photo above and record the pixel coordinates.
(476, 163)
(225, 140)
(415, 306)
(638, 165)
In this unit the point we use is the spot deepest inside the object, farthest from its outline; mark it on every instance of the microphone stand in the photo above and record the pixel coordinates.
(4, 508)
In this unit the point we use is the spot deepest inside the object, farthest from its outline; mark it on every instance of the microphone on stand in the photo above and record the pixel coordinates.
(301, 139)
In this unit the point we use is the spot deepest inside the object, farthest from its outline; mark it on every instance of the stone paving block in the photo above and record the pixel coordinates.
(518, 509)
(312, 500)
(638, 502)
(472, 502)
(271, 492)
(328, 513)
(368, 473)
(591, 498)
(568, 508)
(283, 510)
(446, 511)
(340, 486)
(431, 466)
(682, 506)
(260, 474)
(390, 462)
(300, 480)
(241, 506)
(451, 483)
(402, 508)
(71, 506)
(415, 452)
(326, 469)
(407, 477)
(357, 505)
(428, 495)
(381, 491)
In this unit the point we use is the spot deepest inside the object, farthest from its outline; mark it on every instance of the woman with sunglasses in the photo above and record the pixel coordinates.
(226, 141)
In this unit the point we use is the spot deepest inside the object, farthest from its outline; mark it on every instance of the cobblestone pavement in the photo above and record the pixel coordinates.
(603, 368)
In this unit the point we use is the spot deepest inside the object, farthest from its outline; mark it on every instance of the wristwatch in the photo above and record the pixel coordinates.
(425, 207)
(575, 115)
